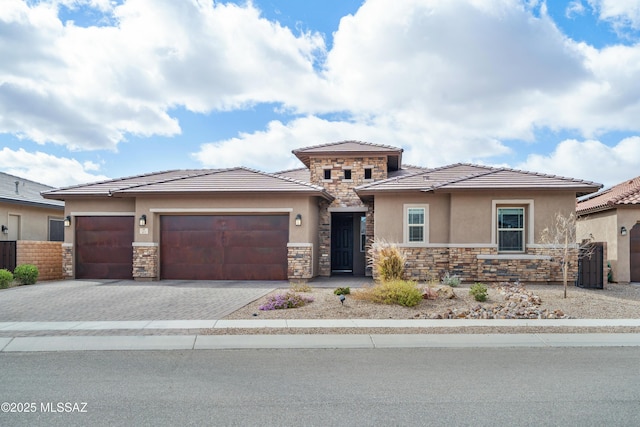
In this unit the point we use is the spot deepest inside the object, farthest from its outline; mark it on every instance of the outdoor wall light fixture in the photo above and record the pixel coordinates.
(623, 230)
(67, 221)
(298, 220)
(143, 221)
(5, 229)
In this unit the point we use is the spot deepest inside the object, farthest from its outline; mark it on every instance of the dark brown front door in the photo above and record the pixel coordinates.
(342, 243)
(224, 247)
(634, 253)
(104, 247)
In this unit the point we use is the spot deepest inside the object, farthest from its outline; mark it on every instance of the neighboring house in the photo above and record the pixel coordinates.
(479, 222)
(25, 214)
(31, 227)
(613, 216)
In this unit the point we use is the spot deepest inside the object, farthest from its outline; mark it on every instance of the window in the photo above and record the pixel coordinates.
(327, 174)
(511, 229)
(347, 174)
(363, 233)
(368, 173)
(416, 223)
(56, 230)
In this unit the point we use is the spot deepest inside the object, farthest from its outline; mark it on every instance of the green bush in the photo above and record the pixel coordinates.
(479, 292)
(5, 278)
(401, 292)
(26, 274)
(387, 261)
(451, 280)
(342, 291)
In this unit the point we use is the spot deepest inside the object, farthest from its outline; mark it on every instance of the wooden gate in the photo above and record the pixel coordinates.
(8, 255)
(591, 267)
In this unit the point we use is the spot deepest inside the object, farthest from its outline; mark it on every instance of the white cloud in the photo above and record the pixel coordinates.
(574, 8)
(87, 88)
(622, 14)
(423, 144)
(590, 160)
(47, 169)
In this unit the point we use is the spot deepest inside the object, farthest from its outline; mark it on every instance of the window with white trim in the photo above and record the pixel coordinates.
(416, 221)
(511, 232)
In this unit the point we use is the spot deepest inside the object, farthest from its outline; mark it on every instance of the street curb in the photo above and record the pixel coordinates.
(355, 341)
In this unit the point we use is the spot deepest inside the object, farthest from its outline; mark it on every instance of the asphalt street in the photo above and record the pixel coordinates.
(323, 387)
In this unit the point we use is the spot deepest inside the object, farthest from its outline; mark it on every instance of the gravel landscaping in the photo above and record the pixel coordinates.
(617, 301)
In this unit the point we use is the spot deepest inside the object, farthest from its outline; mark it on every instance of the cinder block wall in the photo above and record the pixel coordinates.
(47, 256)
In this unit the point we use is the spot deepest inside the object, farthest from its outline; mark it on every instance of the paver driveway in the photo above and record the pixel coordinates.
(73, 300)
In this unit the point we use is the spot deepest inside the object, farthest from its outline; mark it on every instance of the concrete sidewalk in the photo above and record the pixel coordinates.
(55, 340)
(363, 341)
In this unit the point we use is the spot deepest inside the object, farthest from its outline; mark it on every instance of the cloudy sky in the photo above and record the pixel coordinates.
(95, 89)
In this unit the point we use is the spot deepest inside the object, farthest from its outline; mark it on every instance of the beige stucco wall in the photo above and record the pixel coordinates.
(467, 217)
(33, 221)
(389, 214)
(605, 227)
(97, 206)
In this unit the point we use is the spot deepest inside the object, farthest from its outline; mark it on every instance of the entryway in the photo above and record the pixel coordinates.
(347, 251)
(634, 253)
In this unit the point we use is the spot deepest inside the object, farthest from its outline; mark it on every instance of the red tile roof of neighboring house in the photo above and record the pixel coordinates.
(462, 176)
(205, 181)
(352, 148)
(624, 194)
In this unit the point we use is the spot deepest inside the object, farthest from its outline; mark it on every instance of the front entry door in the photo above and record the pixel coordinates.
(342, 243)
(634, 253)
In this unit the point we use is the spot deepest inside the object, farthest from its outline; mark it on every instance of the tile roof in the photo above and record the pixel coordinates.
(354, 148)
(203, 181)
(18, 190)
(624, 194)
(463, 176)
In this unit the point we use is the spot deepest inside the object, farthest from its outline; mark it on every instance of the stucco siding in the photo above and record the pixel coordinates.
(33, 222)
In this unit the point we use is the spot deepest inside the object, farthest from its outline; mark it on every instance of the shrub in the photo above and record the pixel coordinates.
(5, 278)
(479, 292)
(342, 291)
(26, 274)
(387, 261)
(300, 287)
(402, 292)
(451, 280)
(286, 300)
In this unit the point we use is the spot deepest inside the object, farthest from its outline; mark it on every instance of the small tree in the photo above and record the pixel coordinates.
(562, 234)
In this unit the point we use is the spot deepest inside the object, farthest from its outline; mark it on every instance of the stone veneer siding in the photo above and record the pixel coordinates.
(145, 262)
(486, 265)
(344, 195)
(47, 256)
(67, 261)
(300, 262)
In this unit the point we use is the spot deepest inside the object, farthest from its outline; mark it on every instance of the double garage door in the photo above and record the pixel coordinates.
(192, 247)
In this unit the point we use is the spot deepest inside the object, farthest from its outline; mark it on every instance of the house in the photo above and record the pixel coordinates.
(479, 222)
(25, 214)
(613, 216)
(31, 227)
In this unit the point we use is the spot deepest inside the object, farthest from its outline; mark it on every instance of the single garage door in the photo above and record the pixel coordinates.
(104, 247)
(224, 247)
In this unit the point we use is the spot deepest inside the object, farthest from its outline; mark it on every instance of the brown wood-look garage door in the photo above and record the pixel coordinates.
(224, 247)
(104, 247)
